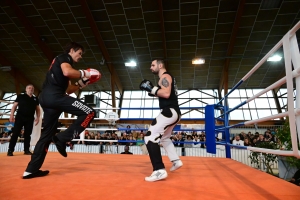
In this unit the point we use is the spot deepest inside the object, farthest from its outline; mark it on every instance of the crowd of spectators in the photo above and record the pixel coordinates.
(6, 135)
(186, 139)
(253, 140)
(136, 138)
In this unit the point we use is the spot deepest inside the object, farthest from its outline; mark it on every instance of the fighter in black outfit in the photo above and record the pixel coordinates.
(162, 126)
(54, 101)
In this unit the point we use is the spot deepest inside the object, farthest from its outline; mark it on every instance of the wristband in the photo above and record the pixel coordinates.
(81, 73)
(154, 90)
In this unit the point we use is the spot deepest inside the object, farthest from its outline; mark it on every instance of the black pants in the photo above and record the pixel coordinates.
(19, 123)
(53, 106)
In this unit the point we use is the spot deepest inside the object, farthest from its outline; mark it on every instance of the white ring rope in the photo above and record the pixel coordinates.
(291, 55)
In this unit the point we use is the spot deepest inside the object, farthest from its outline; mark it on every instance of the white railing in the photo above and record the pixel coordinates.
(240, 155)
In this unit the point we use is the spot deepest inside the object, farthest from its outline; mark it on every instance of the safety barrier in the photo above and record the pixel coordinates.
(240, 155)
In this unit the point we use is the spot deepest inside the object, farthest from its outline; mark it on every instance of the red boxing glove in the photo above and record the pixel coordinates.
(92, 74)
(95, 75)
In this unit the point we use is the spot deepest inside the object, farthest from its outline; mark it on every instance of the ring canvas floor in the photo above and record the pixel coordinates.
(119, 176)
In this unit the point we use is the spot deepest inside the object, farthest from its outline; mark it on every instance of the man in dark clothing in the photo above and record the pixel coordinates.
(126, 150)
(27, 105)
(296, 178)
(54, 101)
(162, 126)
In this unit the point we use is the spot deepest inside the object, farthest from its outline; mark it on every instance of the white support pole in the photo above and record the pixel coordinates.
(296, 63)
(290, 90)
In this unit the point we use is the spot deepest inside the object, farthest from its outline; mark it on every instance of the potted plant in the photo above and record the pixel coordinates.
(287, 165)
(264, 160)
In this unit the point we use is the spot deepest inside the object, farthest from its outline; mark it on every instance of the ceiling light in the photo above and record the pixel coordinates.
(130, 64)
(274, 58)
(198, 61)
(5, 68)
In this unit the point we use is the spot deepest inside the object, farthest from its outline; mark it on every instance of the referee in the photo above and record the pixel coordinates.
(27, 105)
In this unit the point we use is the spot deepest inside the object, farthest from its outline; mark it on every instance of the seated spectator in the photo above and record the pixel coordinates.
(5, 138)
(196, 140)
(202, 139)
(233, 138)
(242, 135)
(253, 143)
(296, 178)
(189, 139)
(260, 139)
(140, 140)
(126, 150)
(270, 137)
(249, 134)
(133, 143)
(256, 135)
(247, 142)
(128, 131)
(21, 136)
(238, 141)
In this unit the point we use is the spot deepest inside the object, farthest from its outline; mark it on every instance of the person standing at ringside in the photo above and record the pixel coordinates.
(162, 126)
(54, 101)
(27, 104)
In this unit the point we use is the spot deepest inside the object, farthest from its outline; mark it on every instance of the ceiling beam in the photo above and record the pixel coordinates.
(162, 29)
(101, 44)
(17, 75)
(31, 30)
(224, 76)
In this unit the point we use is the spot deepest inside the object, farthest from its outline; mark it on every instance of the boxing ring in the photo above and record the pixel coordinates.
(93, 175)
(291, 55)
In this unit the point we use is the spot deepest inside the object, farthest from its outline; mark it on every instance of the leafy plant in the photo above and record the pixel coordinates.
(265, 159)
(285, 142)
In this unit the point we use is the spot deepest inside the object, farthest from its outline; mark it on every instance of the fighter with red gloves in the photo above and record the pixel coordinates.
(54, 101)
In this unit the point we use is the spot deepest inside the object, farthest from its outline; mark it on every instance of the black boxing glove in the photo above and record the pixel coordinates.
(146, 85)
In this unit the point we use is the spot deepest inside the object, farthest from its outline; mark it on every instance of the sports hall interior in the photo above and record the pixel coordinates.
(229, 36)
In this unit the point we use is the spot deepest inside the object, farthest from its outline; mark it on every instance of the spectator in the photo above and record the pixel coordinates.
(126, 150)
(296, 178)
(189, 139)
(247, 142)
(196, 141)
(203, 139)
(5, 138)
(260, 139)
(140, 140)
(131, 143)
(128, 131)
(238, 141)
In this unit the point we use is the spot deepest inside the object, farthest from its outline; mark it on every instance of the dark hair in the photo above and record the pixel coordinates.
(73, 45)
(160, 61)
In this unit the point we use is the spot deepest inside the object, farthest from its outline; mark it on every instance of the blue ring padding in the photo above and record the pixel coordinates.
(237, 146)
(232, 89)
(184, 108)
(229, 144)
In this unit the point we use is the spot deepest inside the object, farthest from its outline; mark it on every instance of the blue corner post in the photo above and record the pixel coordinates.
(210, 129)
(227, 134)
